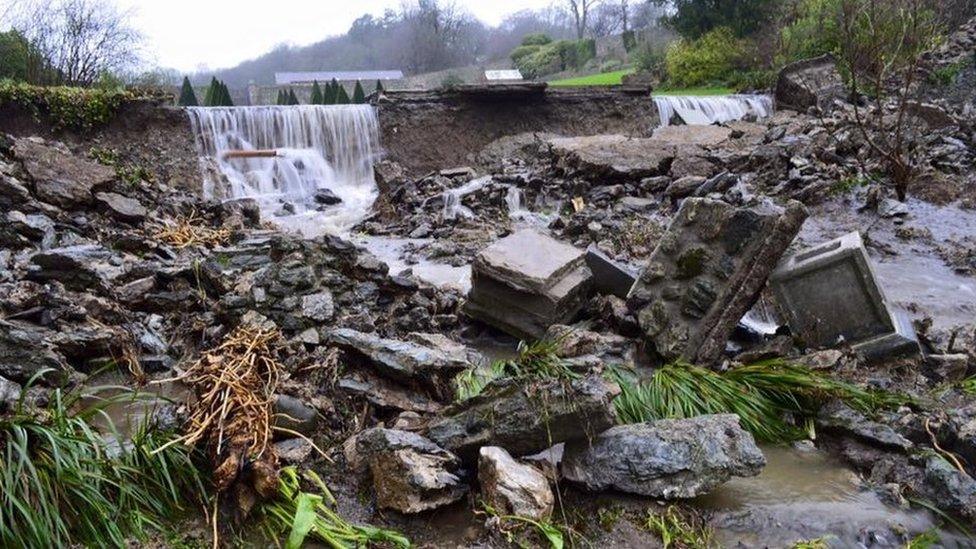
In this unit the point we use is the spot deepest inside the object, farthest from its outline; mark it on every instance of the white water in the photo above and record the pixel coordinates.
(452, 198)
(317, 147)
(704, 111)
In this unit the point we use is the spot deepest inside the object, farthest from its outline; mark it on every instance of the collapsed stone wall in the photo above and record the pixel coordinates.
(431, 130)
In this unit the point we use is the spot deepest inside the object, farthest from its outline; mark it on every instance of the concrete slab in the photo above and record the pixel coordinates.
(609, 277)
(830, 296)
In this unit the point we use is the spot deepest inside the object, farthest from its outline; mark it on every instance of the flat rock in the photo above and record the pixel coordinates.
(26, 349)
(614, 157)
(671, 458)
(121, 207)
(706, 272)
(526, 418)
(528, 260)
(706, 136)
(403, 361)
(841, 418)
(78, 267)
(511, 487)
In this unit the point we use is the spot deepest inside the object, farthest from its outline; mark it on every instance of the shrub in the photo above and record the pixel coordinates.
(536, 39)
(610, 66)
(522, 52)
(77, 109)
(629, 40)
(813, 32)
(711, 59)
(451, 81)
(754, 80)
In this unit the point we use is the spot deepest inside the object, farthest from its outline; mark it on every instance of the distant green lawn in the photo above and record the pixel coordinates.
(614, 79)
(695, 91)
(601, 79)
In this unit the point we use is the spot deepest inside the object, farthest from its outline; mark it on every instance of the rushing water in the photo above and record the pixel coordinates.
(316, 148)
(704, 111)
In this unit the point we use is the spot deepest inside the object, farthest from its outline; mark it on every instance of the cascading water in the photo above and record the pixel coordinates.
(452, 197)
(316, 148)
(703, 111)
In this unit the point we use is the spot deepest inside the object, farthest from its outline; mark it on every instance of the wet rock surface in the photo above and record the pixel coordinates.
(511, 487)
(668, 459)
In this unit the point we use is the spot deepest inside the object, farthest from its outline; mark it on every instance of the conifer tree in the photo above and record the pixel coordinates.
(225, 99)
(281, 98)
(328, 94)
(342, 98)
(187, 97)
(292, 98)
(210, 97)
(358, 95)
(379, 86)
(316, 94)
(335, 92)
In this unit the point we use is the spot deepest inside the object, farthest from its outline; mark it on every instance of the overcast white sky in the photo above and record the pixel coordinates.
(183, 34)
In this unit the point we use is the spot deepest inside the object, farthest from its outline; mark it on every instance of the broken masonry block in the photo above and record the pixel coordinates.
(829, 295)
(707, 271)
(609, 276)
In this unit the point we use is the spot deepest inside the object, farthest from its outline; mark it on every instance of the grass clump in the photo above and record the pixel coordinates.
(764, 395)
(537, 360)
(304, 515)
(680, 530)
(67, 108)
(511, 525)
(968, 386)
(64, 483)
(822, 542)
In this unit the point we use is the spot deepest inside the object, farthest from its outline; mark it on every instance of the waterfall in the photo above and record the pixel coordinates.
(452, 198)
(317, 149)
(513, 199)
(703, 111)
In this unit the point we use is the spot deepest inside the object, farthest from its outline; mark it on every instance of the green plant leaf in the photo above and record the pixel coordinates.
(303, 521)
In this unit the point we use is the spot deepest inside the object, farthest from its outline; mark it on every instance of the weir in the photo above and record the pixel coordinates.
(319, 151)
(707, 110)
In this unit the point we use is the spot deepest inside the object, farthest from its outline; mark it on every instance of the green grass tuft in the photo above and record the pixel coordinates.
(968, 385)
(764, 395)
(679, 531)
(708, 91)
(64, 483)
(304, 515)
(537, 360)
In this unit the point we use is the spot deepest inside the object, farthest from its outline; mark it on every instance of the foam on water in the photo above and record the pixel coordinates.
(317, 147)
(704, 111)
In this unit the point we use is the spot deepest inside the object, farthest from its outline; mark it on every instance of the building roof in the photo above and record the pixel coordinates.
(282, 78)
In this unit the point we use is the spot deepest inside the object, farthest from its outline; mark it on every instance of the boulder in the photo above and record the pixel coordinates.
(294, 415)
(525, 418)
(612, 157)
(59, 177)
(121, 207)
(403, 361)
(840, 418)
(9, 394)
(609, 276)
(410, 473)
(511, 487)
(951, 489)
(81, 267)
(670, 458)
(809, 83)
(707, 271)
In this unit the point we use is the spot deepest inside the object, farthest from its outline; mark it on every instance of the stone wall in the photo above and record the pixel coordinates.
(441, 129)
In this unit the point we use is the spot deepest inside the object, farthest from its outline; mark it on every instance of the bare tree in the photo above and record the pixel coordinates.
(76, 41)
(580, 10)
(881, 43)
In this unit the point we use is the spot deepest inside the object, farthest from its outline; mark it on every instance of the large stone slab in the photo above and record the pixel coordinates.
(526, 418)
(707, 272)
(670, 458)
(528, 260)
(829, 296)
(613, 157)
(609, 276)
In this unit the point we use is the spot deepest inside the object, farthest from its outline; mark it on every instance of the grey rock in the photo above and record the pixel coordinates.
(841, 418)
(81, 267)
(950, 488)
(526, 418)
(528, 260)
(318, 307)
(403, 360)
(706, 272)
(410, 473)
(686, 186)
(293, 451)
(809, 83)
(59, 177)
(26, 350)
(294, 415)
(511, 487)
(9, 394)
(121, 207)
(613, 157)
(671, 458)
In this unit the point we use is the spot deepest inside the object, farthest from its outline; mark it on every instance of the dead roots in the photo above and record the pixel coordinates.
(232, 417)
(192, 231)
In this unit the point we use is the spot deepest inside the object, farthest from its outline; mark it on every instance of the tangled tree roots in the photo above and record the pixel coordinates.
(232, 417)
(192, 231)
